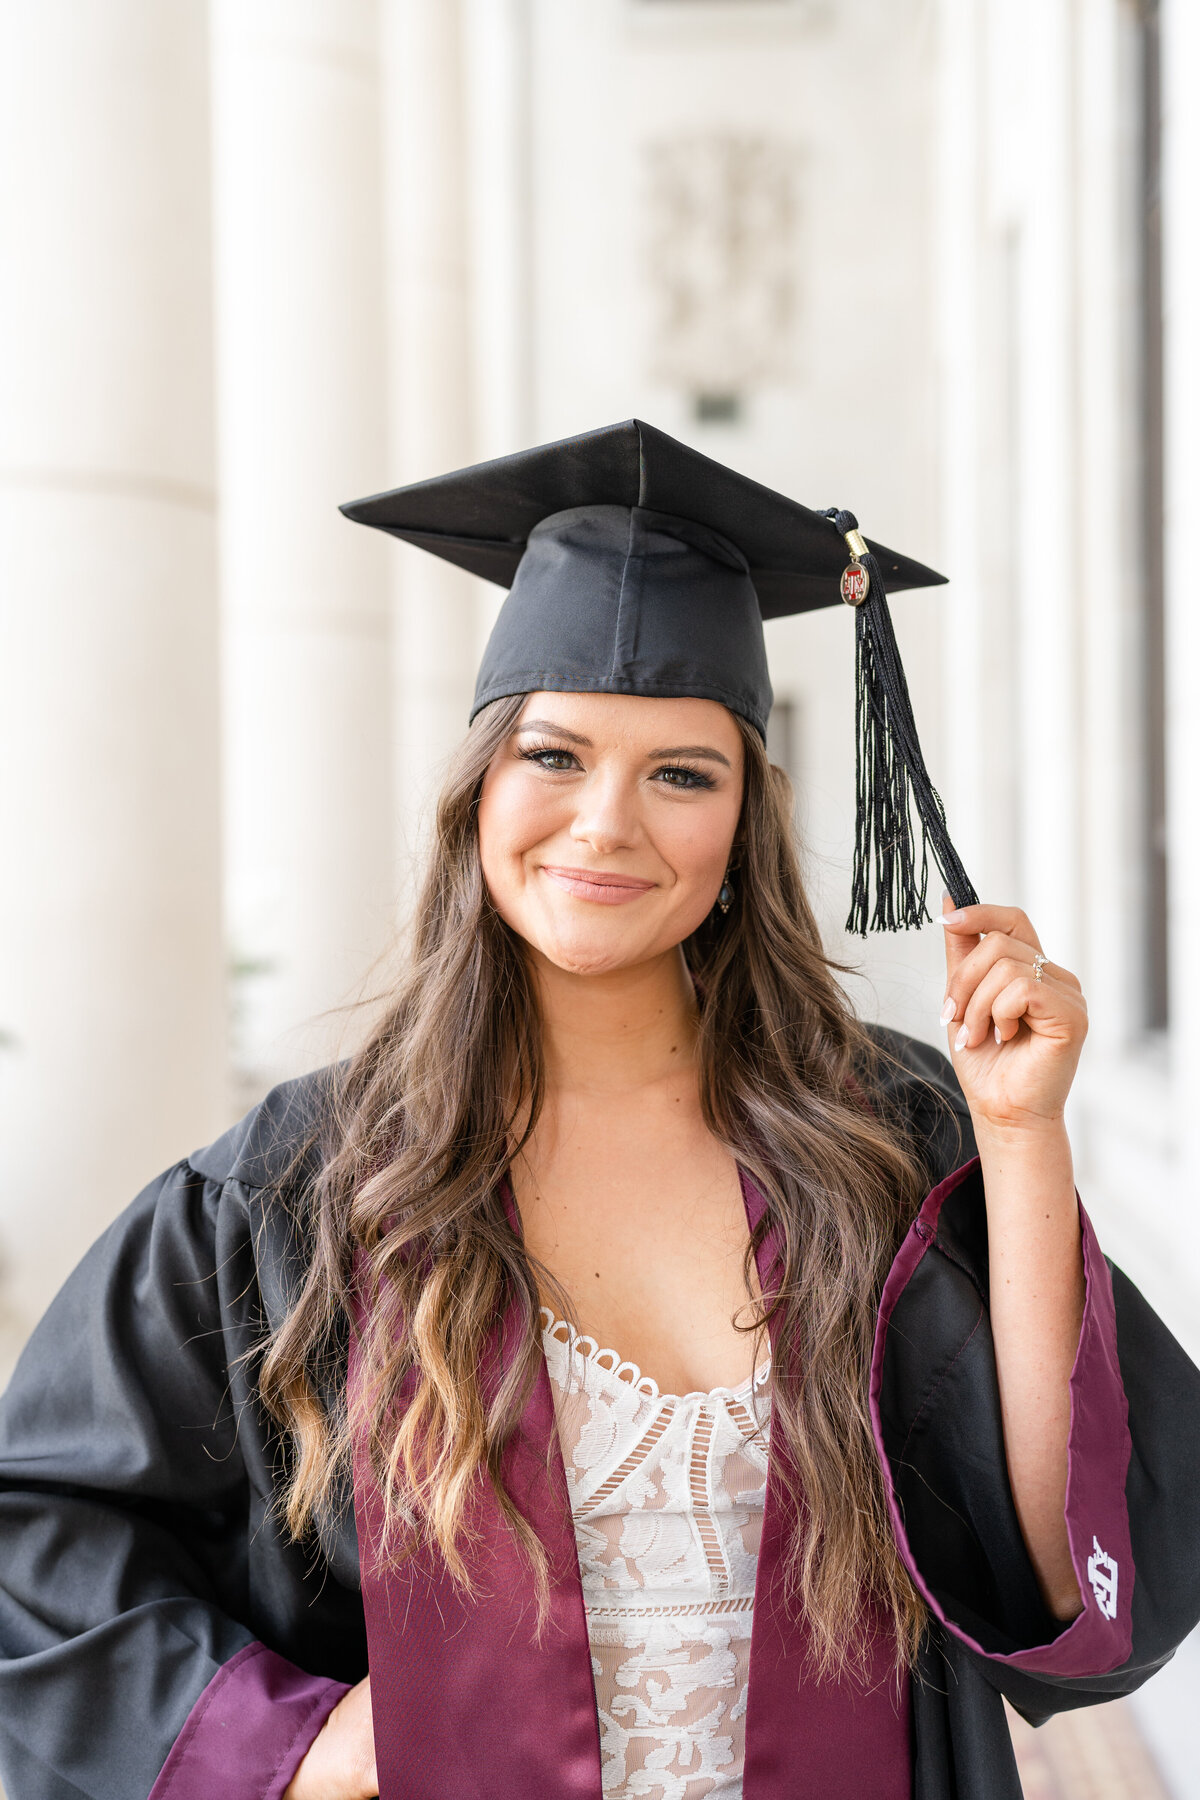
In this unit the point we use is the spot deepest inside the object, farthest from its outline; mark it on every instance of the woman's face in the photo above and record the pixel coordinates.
(606, 823)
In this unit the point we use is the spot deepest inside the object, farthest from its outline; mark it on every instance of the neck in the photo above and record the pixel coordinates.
(614, 1033)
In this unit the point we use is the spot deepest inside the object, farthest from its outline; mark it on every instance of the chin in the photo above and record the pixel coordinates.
(588, 956)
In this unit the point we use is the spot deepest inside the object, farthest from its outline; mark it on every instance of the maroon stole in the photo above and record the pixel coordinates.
(469, 1706)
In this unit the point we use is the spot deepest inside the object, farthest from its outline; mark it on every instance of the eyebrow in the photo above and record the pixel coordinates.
(573, 737)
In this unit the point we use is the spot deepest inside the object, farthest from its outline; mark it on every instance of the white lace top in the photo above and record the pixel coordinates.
(667, 1495)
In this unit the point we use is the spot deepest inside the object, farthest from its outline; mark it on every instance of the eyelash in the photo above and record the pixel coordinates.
(696, 782)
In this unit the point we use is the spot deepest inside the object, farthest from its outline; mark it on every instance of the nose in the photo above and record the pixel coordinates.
(607, 817)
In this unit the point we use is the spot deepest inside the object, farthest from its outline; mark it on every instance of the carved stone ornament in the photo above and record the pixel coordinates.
(723, 260)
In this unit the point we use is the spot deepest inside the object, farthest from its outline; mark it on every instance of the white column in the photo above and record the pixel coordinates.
(498, 76)
(302, 381)
(1106, 540)
(111, 1001)
(1181, 321)
(431, 408)
(969, 651)
(497, 73)
(1046, 520)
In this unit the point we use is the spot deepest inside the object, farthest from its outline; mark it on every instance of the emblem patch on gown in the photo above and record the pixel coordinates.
(1102, 1573)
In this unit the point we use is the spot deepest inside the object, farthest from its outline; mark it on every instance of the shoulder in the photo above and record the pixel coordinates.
(206, 1207)
(260, 1175)
(917, 1085)
(175, 1291)
(278, 1140)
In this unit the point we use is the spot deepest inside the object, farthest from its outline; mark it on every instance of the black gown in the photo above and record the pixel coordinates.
(159, 1633)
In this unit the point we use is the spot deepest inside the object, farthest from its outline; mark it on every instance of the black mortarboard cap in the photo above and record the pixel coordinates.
(636, 565)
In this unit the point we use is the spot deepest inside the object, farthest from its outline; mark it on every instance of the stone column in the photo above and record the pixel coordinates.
(438, 623)
(302, 384)
(972, 630)
(1181, 329)
(1109, 457)
(111, 1001)
(498, 77)
(1048, 597)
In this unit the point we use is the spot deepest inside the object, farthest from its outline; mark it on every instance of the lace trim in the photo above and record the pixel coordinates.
(592, 1352)
(632, 1608)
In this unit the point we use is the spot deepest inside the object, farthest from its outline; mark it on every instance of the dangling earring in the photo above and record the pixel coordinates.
(725, 897)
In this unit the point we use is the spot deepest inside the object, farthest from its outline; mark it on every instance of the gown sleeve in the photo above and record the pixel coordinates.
(1132, 1504)
(127, 1508)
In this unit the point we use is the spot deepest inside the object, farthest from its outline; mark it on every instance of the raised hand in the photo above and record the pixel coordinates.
(1015, 1040)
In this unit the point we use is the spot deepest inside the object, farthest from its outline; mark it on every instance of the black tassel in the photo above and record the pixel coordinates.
(891, 777)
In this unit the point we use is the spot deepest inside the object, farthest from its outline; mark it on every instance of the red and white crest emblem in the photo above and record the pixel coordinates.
(855, 585)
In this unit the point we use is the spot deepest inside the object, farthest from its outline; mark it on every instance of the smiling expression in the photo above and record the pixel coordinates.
(606, 824)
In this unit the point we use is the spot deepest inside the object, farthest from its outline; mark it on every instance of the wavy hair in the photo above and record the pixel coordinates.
(421, 1128)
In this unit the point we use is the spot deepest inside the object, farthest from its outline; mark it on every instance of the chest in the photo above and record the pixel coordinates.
(642, 1224)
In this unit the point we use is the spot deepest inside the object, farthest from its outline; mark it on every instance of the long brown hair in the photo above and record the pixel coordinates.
(422, 1127)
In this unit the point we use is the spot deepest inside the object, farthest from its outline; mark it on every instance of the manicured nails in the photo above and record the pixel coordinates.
(952, 918)
(999, 1039)
(948, 1011)
(961, 1040)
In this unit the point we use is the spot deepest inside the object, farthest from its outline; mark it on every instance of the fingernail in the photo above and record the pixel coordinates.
(961, 1039)
(999, 1039)
(952, 918)
(948, 1011)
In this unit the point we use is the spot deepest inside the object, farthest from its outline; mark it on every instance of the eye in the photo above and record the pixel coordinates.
(545, 756)
(679, 776)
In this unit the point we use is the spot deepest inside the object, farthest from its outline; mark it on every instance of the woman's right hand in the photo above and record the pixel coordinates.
(340, 1764)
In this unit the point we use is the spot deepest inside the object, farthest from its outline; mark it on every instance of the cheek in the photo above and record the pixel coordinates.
(699, 845)
(696, 844)
(514, 815)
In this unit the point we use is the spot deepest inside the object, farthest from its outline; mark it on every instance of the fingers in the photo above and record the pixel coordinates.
(967, 922)
(959, 943)
(990, 951)
(999, 1002)
(1009, 995)
(979, 959)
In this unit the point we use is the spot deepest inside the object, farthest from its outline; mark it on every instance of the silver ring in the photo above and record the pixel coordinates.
(1039, 963)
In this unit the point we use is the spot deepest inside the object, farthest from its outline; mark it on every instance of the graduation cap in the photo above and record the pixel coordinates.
(635, 565)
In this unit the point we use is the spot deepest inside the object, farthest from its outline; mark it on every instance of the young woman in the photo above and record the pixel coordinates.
(626, 1357)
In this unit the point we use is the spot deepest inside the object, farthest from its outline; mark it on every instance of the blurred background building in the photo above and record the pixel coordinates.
(934, 260)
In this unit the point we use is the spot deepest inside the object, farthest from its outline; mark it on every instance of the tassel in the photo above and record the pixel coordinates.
(890, 773)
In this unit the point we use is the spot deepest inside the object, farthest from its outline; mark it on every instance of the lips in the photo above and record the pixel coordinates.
(602, 885)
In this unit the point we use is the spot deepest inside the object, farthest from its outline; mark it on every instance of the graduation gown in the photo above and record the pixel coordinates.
(160, 1636)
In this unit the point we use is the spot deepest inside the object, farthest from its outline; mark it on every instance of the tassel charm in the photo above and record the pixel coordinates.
(855, 584)
(891, 849)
